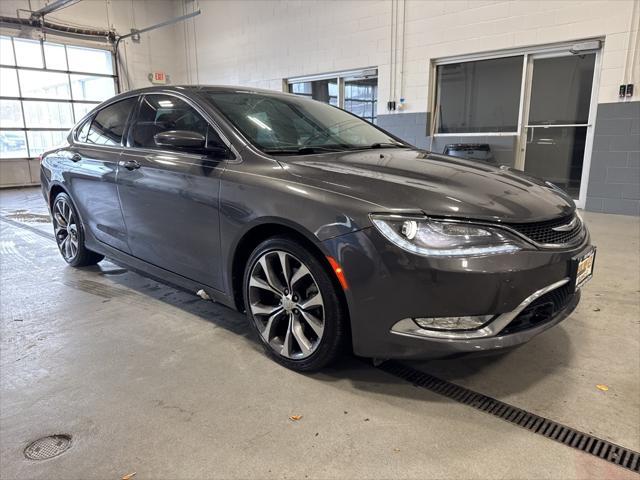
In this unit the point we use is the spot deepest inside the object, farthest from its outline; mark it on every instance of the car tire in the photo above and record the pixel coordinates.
(299, 318)
(69, 233)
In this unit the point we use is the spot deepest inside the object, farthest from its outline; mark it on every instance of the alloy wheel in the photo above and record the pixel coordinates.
(286, 304)
(65, 229)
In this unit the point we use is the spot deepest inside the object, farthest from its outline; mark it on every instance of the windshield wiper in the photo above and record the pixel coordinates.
(387, 145)
(301, 150)
(378, 145)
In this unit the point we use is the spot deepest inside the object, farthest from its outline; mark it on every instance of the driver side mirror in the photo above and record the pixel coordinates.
(180, 139)
(189, 141)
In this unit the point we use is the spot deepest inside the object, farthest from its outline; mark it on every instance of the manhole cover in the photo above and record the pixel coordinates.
(48, 447)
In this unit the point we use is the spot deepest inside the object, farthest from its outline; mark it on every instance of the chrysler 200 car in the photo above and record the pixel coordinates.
(328, 231)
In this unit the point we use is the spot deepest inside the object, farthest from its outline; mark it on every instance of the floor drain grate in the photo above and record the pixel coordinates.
(571, 437)
(48, 447)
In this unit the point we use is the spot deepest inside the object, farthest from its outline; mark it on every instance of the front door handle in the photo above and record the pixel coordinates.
(130, 164)
(76, 157)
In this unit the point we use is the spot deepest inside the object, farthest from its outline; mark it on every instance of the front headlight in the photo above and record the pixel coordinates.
(427, 237)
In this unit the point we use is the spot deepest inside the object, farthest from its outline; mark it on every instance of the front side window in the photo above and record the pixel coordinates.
(109, 123)
(164, 113)
(288, 124)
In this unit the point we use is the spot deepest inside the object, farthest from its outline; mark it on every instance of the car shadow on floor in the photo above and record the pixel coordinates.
(498, 374)
(523, 370)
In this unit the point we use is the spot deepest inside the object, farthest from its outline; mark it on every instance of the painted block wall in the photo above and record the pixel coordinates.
(259, 43)
(614, 177)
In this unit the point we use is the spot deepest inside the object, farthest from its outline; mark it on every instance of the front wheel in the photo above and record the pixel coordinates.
(70, 234)
(294, 305)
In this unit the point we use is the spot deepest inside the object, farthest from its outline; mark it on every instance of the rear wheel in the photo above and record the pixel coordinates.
(293, 304)
(70, 234)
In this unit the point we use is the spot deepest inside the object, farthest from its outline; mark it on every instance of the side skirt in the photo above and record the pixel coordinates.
(156, 273)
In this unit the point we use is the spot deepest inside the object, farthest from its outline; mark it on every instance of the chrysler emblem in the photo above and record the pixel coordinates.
(567, 226)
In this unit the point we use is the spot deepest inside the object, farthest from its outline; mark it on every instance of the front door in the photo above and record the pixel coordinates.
(558, 118)
(170, 197)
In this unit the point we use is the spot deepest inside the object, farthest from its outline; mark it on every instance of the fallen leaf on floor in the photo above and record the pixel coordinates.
(604, 388)
(596, 309)
(129, 476)
(295, 418)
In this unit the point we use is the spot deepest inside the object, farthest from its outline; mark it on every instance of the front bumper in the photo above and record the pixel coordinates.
(388, 287)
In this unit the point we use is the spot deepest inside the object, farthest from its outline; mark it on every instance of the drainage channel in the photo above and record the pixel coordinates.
(603, 449)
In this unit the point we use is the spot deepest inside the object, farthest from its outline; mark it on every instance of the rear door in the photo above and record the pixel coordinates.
(170, 196)
(91, 177)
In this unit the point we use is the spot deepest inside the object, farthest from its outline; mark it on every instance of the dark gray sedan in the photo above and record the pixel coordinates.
(328, 231)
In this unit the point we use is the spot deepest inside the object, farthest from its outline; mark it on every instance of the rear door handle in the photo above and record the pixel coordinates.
(129, 164)
(76, 157)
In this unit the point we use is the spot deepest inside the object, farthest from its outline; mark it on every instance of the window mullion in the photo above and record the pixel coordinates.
(24, 122)
(44, 57)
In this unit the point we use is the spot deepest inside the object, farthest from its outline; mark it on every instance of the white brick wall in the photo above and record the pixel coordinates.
(260, 42)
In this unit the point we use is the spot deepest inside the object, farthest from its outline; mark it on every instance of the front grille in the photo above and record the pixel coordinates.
(541, 310)
(543, 233)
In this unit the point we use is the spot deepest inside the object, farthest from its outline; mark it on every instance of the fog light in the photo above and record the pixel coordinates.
(453, 323)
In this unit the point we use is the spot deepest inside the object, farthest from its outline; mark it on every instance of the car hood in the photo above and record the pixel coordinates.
(407, 179)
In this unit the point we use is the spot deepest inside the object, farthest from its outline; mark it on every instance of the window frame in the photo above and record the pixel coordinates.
(340, 77)
(525, 52)
(523, 80)
(70, 101)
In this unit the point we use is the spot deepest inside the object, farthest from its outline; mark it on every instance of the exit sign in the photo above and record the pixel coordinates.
(158, 78)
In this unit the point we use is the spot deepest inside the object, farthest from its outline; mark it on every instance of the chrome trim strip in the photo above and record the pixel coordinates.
(408, 328)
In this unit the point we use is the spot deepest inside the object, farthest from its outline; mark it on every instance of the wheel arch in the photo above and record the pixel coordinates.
(55, 190)
(263, 231)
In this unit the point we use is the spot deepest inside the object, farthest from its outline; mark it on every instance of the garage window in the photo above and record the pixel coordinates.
(354, 91)
(45, 88)
(480, 96)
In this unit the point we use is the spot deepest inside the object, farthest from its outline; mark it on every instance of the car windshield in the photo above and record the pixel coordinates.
(286, 124)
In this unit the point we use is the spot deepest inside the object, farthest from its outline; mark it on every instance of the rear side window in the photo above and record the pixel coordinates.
(162, 113)
(109, 123)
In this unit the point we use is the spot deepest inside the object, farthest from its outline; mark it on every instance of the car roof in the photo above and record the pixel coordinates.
(202, 88)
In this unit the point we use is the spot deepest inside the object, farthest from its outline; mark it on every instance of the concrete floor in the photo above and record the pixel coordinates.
(152, 380)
